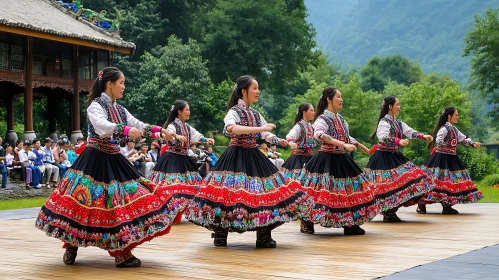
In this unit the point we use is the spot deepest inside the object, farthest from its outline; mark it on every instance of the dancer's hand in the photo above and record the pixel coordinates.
(134, 133)
(477, 145)
(210, 141)
(293, 146)
(364, 148)
(167, 135)
(349, 147)
(428, 138)
(268, 127)
(283, 142)
(181, 139)
(404, 142)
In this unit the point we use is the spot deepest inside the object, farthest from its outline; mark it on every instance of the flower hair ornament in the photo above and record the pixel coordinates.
(99, 75)
(173, 106)
(235, 88)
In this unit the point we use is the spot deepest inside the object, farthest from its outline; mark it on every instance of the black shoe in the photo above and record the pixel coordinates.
(307, 227)
(69, 256)
(391, 217)
(127, 260)
(220, 238)
(421, 208)
(264, 239)
(448, 210)
(354, 230)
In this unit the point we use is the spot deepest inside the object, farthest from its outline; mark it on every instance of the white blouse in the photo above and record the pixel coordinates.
(383, 131)
(442, 133)
(232, 118)
(98, 117)
(194, 134)
(321, 126)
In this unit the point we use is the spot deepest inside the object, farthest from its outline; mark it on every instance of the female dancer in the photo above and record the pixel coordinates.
(245, 191)
(397, 180)
(342, 194)
(453, 184)
(301, 139)
(174, 167)
(102, 200)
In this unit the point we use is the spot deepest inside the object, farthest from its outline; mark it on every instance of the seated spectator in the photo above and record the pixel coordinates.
(71, 154)
(27, 159)
(212, 156)
(192, 152)
(3, 166)
(61, 157)
(39, 155)
(25, 174)
(79, 141)
(131, 154)
(264, 149)
(154, 152)
(52, 171)
(9, 156)
(275, 156)
(147, 164)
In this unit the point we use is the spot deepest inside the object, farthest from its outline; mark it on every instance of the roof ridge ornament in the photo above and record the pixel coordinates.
(99, 20)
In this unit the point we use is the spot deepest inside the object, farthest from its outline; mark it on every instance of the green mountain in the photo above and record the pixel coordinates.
(429, 31)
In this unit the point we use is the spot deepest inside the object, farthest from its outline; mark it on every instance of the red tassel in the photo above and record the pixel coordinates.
(433, 151)
(373, 149)
(163, 149)
(81, 148)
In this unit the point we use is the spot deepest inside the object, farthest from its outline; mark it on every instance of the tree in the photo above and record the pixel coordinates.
(267, 39)
(175, 71)
(380, 70)
(482, 43)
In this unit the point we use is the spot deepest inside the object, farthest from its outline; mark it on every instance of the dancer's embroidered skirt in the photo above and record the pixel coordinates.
(175, 169)
(452, 182)
(294, 165)
(103, 201)
(244, 191)
(397, 180)
(343, 196)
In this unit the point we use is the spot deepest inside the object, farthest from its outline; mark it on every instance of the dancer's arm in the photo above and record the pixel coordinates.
(414, 134)
(466, 141)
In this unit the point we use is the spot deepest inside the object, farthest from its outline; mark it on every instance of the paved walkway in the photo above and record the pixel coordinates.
(480, 264)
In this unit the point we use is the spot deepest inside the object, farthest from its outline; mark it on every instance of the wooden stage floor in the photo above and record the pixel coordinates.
(188, 252)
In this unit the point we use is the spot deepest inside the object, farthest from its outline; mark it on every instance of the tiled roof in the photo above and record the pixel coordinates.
(49, 17)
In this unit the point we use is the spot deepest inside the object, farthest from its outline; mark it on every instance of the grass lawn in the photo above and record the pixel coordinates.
(22, 203)
(491, 195)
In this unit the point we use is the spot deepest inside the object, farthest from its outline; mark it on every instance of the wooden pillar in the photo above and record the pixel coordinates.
(29, 133)
(11, 135)
(75, 100)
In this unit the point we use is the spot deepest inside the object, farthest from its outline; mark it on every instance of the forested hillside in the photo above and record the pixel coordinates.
(430, 32)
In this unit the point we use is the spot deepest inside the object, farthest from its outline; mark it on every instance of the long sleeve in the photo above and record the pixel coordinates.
(171, 128)
(383, 133)
(231, 119)
(268, 136)
(196, 136)
(409, 132)
(462, 138)
(149, 131)
(294, 133)
(441, 134)
(320, 127)
(23, 157)
(103, 127)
